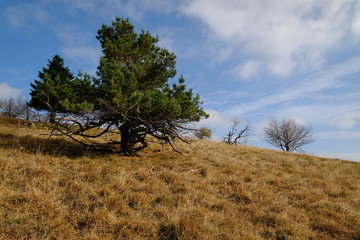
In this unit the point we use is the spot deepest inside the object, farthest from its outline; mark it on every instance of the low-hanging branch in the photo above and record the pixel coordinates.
(84, 126)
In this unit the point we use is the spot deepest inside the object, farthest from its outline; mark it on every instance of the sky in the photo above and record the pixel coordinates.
(255, 60)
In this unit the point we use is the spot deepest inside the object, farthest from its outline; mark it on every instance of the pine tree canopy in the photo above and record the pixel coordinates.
(54, 86)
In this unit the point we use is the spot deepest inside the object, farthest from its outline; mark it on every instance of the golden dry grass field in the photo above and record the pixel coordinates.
(54, 189)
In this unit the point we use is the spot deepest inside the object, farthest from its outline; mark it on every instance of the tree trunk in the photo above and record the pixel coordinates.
(52, 117)
(127, 146)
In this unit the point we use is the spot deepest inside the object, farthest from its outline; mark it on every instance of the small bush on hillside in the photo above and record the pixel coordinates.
(203, 133)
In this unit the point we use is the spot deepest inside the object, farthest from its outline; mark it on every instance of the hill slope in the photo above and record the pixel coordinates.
(53, 189)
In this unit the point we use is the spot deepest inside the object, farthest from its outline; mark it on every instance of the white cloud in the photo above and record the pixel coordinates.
(216, 119)
(355, 27)
(286, 35)
(247, 70)
(22, 14)
(217, 122)
(6, 91)
(346, 120)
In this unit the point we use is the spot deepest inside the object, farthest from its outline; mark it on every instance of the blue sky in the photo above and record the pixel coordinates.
(253, 60)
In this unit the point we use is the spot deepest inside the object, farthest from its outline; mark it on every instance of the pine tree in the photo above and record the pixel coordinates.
(53, 87)
(134, 73)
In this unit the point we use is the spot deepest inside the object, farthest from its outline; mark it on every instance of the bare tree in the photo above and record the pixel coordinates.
(12, 107)
(287, 135)
(236, 136)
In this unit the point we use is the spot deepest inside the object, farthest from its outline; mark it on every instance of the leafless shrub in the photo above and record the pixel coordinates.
(287, 135)
(13, 107)
(236, 136)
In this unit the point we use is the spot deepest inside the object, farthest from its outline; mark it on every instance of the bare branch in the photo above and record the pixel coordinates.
(236, 136)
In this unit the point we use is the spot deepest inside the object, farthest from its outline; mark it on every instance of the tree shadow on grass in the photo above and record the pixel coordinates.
(56, 147)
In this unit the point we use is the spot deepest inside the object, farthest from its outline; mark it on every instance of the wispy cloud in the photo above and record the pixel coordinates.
(309, 87)
(286, 35)
(247, 70)
(216, 120)
(6, 91)
(78, 46)
(76, 42)
(23, 15)
(347, 120)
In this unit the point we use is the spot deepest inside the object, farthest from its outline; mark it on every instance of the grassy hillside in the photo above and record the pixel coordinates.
(54, 189)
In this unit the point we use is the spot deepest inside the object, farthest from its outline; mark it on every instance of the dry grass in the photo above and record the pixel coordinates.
(53, 189)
